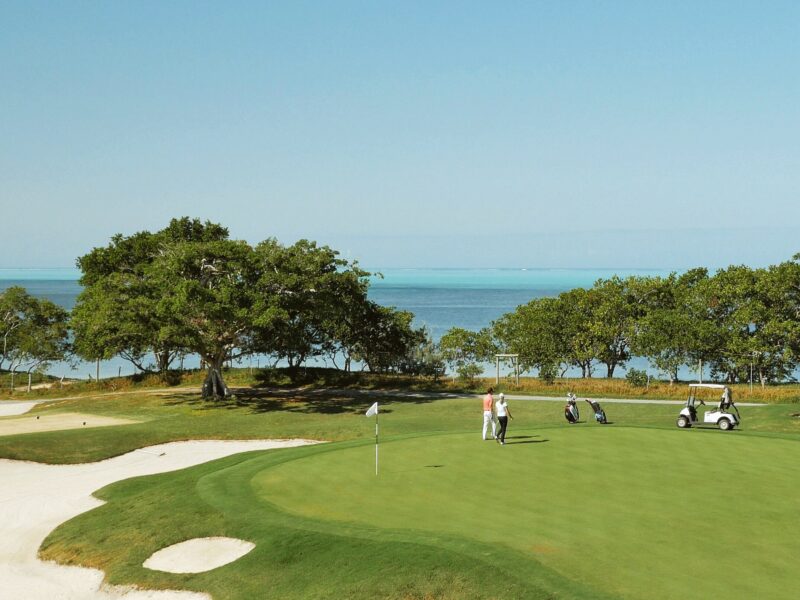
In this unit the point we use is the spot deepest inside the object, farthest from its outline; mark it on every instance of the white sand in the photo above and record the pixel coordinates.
(57, 422)
(36, 498)
(11, 408)
(198, 555)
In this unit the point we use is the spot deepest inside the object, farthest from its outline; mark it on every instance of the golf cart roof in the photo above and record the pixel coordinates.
(715, 386)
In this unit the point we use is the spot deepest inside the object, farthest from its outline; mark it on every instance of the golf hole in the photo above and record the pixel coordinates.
(198, 555)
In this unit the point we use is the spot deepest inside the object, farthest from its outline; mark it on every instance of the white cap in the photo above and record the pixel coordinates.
(502, 395)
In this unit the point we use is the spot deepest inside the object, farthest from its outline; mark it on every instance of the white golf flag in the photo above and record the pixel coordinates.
(373, 410)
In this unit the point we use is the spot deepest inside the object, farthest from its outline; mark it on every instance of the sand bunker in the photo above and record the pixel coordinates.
(13, 407)
(36, 498)
(198, 555)
(56, 422)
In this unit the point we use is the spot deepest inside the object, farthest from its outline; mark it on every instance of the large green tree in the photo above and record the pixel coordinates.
(190, 289)
(34, 332)
(310, 301)
(116, 313)
(535, 331)
(385, 339)
(466, 350)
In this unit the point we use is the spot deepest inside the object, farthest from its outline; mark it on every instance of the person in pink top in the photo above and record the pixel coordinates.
(488, 414)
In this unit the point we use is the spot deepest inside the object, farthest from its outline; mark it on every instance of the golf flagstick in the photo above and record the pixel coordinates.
(373, 410)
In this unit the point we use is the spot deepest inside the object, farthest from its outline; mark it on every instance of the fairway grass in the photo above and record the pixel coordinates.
(559, 512)
(635, 509)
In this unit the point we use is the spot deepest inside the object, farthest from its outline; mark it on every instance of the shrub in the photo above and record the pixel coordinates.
(469, 371)
(636, 377)
(548, 373)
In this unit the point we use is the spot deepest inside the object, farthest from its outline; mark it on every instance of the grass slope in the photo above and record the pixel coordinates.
(295, 557)
(181, 416)
(637, 509)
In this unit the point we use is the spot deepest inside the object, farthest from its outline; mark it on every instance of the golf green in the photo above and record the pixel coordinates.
(633, 513)
(637, 509)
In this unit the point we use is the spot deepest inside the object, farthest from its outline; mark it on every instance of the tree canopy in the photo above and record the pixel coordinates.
(734, 321)
(191, 289)
(33, 331)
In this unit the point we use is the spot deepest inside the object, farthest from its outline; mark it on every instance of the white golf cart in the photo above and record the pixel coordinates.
(720, 416)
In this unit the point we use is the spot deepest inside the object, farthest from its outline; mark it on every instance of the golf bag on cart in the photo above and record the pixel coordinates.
(599, 413)
(571, 413)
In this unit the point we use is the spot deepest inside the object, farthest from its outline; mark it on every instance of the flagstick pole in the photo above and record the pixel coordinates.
(376, 443)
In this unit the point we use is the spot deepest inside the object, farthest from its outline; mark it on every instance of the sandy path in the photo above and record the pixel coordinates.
(58, 422)
(36, 498)
(20, 407)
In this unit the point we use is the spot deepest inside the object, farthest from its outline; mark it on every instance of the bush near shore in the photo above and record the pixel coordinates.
(312, 378)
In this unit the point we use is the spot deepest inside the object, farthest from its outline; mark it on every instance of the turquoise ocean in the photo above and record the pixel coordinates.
(439, 298)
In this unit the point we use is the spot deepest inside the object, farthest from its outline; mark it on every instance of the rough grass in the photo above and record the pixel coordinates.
(318, 378)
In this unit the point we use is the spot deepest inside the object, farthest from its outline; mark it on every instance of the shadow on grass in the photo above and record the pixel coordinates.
(316, 401)
(527, 442)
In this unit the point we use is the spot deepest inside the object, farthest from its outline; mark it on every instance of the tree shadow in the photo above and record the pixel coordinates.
(308, 401)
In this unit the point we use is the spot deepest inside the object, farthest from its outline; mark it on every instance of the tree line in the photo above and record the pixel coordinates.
(152, 298)
(739, 323)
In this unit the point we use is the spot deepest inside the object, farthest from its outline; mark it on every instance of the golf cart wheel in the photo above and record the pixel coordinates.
(683, 422)
(725, 424)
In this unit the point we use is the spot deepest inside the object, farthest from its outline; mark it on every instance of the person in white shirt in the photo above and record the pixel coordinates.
(503, 413)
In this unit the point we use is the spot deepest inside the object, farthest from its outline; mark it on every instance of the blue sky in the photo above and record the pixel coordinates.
(552, 134)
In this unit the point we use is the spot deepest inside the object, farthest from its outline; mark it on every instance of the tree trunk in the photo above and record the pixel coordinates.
(610, 369)
(214, 385)
(29, 382)
(162, 360)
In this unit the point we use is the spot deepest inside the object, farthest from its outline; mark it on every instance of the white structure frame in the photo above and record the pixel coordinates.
(514, 361)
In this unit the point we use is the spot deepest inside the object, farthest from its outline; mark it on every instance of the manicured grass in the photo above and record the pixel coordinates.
(181, 416)
(617, 510)
(636, 509)
(295, 557)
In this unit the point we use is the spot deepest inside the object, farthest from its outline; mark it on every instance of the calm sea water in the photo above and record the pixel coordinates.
(439, 298)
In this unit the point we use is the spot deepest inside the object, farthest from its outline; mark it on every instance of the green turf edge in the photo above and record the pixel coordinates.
(295, 557)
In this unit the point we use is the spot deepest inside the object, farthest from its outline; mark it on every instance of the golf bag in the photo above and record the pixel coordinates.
(571, 413)
(599, 413)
